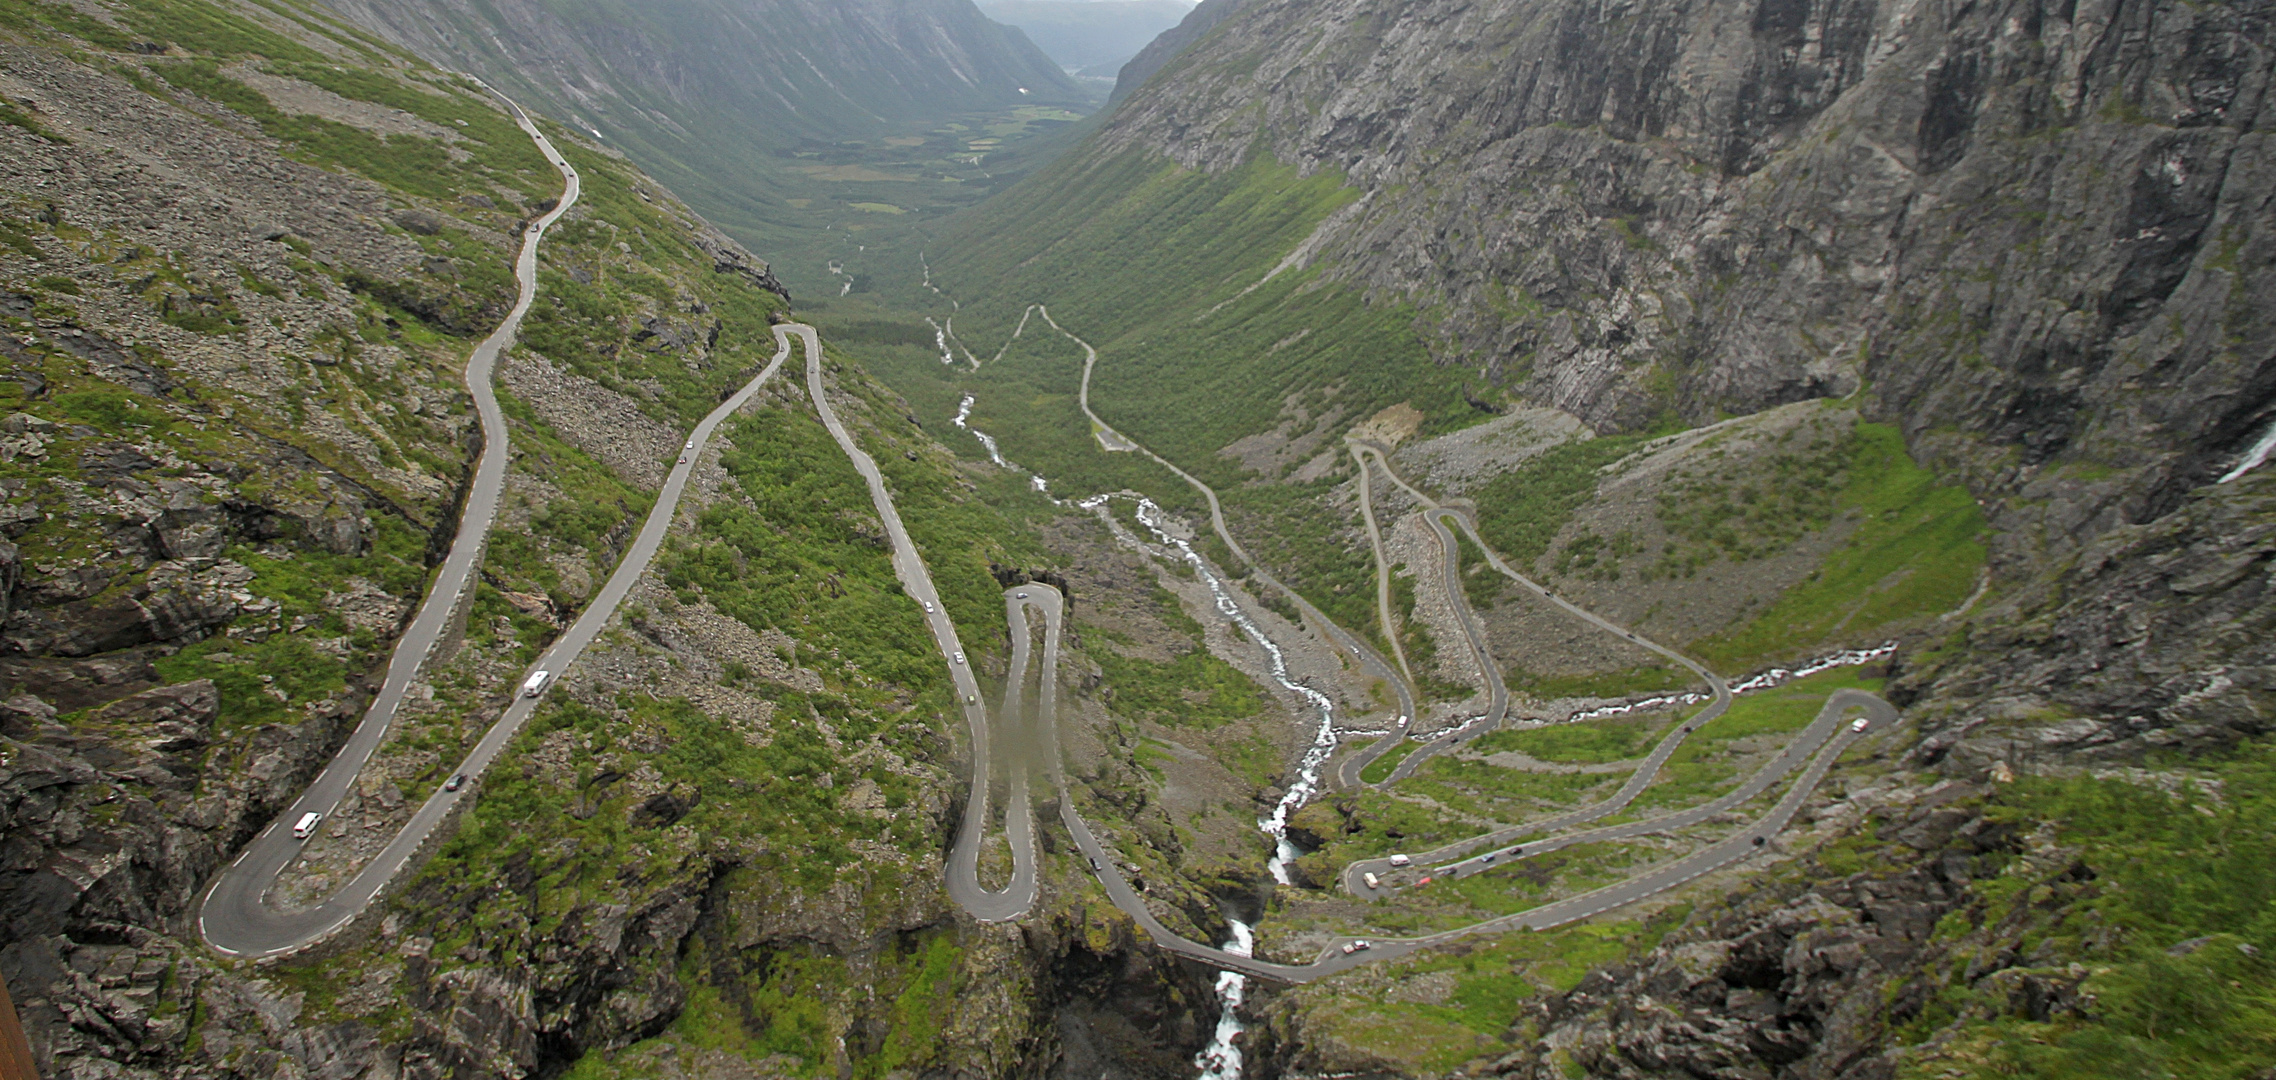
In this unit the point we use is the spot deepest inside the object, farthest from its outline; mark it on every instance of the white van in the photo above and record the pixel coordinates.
(306, 826)
(1371, 880)
(535, 683)
(1400, 860)
(1861, 724)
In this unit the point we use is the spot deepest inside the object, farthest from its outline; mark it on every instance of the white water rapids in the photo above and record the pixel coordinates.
(1221, 1059)
(1764, 681)
(1323, 738)
(962, 419)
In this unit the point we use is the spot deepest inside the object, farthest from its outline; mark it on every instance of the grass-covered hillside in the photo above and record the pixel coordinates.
(244, 252)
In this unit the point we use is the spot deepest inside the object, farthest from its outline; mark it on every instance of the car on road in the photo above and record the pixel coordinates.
(683, 459)
(535, 684)
(1021, 596)
(971, 699)
(1095, 867)
(1489, 859)
(691, 444)
(959, 658)
(1372, 881)
(306, 826)
(928, 606)
(455, 782)
(1861, 724)
(1400, 860)
(1350, 947)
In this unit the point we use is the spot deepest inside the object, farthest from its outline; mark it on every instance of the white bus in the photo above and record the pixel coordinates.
(535, 683)
(306, 827)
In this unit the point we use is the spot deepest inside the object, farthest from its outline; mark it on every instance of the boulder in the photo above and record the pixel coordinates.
(171, 719)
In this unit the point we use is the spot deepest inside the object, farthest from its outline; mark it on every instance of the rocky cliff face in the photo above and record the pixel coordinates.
(2034, 231)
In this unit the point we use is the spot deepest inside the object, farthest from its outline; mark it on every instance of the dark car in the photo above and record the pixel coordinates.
(455, 782)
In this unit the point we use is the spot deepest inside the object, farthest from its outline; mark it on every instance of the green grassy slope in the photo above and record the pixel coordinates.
(1154, 264)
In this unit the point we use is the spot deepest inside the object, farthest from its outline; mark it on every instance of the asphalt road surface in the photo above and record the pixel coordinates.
(1438, 516)
(916, 580)
(1382, 563)
(233, 918)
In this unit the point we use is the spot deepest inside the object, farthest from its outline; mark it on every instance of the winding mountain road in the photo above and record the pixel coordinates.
(234, 918)
(1827, 737)
(909, 567)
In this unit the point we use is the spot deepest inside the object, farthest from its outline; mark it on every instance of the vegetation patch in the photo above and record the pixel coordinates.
(1521, 512)
(1194, 689)
(1594, 742)
(1381, 768)
(2170, 913)
(1916, 551)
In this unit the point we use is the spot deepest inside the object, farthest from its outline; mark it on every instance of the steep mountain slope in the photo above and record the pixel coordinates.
(769, 117)
(244, 252)
(2028, 249)
(1723, 207)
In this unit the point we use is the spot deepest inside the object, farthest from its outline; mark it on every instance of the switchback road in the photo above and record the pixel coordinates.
(916, 580)
(1327, 628)
(234, 918)
(1827, 735)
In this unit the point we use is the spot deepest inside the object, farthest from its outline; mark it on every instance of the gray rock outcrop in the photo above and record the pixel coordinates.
(2032, 230)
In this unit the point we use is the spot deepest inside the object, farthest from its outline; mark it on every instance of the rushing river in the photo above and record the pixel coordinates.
(1221, 1059)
